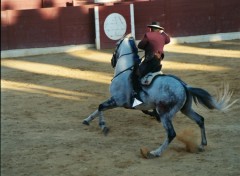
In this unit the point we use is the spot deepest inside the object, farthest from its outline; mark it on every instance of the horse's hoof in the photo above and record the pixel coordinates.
(150, 156)
(105, 131)
(85, 122)
(146, 153)
(201, 148)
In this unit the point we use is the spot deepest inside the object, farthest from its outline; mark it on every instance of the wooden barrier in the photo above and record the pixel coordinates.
(111, 23)
(74, 25)
(47, 27)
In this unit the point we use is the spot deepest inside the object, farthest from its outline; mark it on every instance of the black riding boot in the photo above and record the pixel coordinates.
(136, 86)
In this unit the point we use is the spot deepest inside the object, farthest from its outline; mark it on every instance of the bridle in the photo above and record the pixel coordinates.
(115, 58)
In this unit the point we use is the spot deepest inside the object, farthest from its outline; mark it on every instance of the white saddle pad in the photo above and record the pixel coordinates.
(147, 79)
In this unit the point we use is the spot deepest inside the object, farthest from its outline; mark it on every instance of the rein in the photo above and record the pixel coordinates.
(134, 51)
(125, 55)
(129, 68)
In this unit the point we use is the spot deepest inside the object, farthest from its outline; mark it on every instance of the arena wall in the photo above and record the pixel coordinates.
(73, 24)
(47, 27)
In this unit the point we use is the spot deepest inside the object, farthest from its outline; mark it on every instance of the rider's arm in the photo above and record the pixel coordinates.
(142, 44)
(167, 38)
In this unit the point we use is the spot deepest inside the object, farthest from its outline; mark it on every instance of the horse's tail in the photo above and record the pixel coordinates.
(222, 103)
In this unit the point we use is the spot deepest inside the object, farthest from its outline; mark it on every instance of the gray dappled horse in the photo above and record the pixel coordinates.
(167, 95)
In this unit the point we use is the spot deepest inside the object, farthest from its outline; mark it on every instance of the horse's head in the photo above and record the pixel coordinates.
(125, 46)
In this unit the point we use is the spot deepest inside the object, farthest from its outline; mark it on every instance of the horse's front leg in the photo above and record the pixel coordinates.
(91, 117)
(108, 104)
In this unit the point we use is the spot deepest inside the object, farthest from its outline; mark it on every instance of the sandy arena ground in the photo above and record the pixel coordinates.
(44, 100)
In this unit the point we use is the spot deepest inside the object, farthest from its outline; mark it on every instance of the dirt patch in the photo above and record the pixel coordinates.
(45, 98)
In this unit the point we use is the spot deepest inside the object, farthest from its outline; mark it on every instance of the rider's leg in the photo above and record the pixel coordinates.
(135, 79)
(136, 87)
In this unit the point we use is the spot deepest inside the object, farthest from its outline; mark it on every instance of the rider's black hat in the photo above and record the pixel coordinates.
(155, 24)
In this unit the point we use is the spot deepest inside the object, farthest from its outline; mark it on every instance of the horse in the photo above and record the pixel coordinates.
(167, 95)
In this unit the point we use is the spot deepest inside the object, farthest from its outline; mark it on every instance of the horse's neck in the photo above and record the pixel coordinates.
(124, 63)
(121, 85)
(122, 79)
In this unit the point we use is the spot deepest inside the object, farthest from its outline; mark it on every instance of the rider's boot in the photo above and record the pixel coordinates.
(136, 100)
(136, 89)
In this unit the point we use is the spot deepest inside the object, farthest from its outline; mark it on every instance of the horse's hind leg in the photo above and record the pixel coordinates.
(189, 112)
(153, 114)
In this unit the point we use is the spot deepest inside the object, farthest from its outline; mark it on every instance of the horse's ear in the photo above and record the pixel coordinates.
(117, 43)
(129, 35)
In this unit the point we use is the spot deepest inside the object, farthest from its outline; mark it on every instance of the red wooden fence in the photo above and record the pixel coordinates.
(74, 25)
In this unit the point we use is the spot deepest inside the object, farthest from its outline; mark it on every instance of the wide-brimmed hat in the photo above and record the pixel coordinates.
(155, 24)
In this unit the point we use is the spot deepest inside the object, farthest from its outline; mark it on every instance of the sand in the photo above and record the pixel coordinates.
(44, 100)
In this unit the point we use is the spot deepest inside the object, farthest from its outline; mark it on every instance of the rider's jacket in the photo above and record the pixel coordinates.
(152, 43)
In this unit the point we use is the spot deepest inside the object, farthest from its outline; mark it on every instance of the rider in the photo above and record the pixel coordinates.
(153, 44)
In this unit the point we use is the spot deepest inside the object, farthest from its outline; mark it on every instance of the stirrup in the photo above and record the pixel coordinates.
(136, 102)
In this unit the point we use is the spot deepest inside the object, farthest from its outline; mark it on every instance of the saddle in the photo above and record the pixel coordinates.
(148, 78)
(145, 81)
